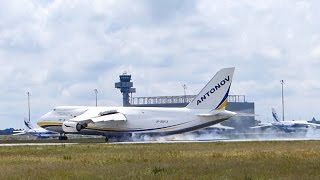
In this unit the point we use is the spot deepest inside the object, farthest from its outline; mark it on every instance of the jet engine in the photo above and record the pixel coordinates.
(71, 126)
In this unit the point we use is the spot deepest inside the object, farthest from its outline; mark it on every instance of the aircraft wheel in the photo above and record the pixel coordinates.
(107, 139)
(63, 138)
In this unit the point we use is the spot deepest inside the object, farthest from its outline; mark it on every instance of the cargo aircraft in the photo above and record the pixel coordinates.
(286, 126)
(206, 109)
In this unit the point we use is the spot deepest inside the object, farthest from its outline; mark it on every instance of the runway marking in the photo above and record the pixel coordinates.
(217, 140)
(36, 144)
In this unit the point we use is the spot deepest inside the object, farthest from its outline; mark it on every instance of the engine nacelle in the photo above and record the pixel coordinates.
(70, 126)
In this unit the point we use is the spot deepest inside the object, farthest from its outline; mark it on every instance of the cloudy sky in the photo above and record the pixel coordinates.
(60, 50)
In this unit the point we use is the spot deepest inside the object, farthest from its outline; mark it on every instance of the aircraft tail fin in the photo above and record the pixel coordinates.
(27, 123)
(215, 94)
(275, 115)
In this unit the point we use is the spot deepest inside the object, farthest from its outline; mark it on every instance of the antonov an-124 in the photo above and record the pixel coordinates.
(206, 109)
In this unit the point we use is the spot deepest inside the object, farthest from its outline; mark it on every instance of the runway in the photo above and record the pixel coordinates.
(218, 140)
(163, 142)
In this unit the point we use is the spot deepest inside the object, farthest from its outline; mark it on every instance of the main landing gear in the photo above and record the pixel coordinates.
(63, 136)
(112, 138)
(118, 138)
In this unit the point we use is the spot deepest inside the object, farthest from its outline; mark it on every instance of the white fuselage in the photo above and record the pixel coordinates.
(145, 120)
(42, 133)
(206, 109)
(38, 132)
(291, 126)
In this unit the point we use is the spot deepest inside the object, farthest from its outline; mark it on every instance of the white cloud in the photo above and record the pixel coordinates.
(61, 50)
(315, 52)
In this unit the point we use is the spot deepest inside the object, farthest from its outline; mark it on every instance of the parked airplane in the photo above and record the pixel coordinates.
(287, 126)
(313, 120)
(207, 109)
(38, 132)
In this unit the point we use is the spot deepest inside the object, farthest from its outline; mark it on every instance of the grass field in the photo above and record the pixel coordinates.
(216, 160)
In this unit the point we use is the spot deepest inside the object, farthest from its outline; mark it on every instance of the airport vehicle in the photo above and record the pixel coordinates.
(287, 126)
(206, 109)
(38, 132)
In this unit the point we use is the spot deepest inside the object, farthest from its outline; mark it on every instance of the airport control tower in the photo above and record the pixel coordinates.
(125, 87)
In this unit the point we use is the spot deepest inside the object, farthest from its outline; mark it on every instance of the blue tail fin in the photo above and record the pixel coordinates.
(27, 123)
(275, 115)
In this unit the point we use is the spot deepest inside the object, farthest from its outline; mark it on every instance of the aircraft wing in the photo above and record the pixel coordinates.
(217, 113)
(82, 121)
(110, 117)
(19, 133)
(220, 126)
(261, 126)
(314, 125)
(102, 117)
(303, 123)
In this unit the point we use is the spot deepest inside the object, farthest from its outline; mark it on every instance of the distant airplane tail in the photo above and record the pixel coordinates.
(215, 94)
(275, 115)
(27, 123)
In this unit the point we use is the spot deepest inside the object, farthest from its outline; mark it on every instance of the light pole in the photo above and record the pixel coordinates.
(96, 91)
(185, 92)
(282, 82)
(28, 93)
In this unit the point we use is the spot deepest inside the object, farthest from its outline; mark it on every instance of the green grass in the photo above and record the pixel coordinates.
(232, 160)
(84, 140)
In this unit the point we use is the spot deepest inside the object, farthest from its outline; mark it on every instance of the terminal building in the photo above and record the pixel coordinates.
(236, 103)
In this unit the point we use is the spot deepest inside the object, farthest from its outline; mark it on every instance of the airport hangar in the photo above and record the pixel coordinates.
(236, 103)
